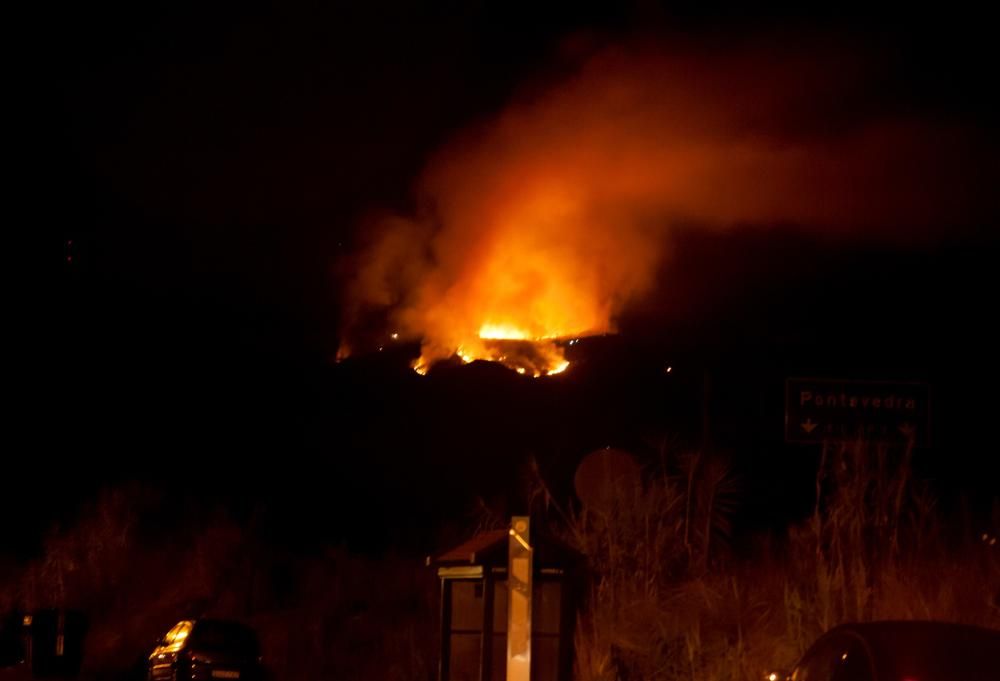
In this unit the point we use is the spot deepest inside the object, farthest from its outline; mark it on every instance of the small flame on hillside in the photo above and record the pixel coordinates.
(510, 347)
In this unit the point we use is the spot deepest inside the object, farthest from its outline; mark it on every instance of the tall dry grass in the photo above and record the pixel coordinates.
(326, 614)
(665, 604)
(667, 600)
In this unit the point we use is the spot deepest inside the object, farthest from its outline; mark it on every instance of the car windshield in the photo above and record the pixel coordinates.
(224, 636)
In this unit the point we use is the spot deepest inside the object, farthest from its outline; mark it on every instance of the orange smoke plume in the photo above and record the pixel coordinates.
(542, 224)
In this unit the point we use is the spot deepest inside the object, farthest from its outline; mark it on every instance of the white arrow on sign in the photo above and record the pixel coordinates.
(809, 426)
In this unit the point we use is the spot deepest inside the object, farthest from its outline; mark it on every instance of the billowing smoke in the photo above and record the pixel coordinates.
(546, 220)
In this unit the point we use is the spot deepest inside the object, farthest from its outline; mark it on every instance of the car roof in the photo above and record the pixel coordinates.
(928, 650)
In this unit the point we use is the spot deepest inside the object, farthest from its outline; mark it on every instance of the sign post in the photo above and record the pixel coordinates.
(519, 571)
(819, 409)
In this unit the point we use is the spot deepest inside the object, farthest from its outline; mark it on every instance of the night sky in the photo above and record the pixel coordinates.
(199, 175)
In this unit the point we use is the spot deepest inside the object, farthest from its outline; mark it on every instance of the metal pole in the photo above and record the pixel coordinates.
(519, 572)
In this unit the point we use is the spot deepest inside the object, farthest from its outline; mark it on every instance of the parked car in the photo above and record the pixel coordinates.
(902, 651)
(206, 649)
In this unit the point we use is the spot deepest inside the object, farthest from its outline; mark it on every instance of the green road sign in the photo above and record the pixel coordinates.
(819, 409)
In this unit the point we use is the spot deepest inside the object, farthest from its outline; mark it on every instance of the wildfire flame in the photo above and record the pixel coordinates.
(541, 271)
(505, 332)
(511, 347)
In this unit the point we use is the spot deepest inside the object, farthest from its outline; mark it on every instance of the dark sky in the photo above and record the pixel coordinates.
(197, 172)
(227, 151)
